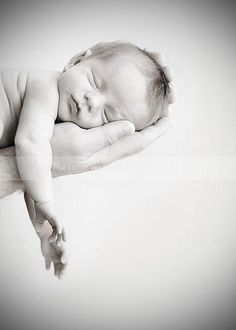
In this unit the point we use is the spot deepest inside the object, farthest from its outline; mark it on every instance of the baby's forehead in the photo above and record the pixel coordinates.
(125, 61)
(122, 70)
(125, 74)
(117, 60)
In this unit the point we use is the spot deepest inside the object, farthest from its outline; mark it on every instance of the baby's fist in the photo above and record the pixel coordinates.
(46, 211)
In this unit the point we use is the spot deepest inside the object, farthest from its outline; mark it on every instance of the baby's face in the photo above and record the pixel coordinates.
(94, 92)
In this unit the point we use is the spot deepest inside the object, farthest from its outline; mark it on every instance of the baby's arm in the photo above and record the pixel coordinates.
(32, 141)
(52, 252)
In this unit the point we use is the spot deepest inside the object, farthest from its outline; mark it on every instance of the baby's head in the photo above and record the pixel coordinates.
(113, 81)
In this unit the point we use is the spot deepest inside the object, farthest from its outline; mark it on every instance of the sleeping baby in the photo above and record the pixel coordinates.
(108, 82)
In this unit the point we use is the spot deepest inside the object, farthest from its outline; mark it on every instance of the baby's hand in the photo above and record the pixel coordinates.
(56, 254)
(46, 211)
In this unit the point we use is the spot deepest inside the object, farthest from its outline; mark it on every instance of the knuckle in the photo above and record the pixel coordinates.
(110, 138)
(128, 127)
(94, 163)
(96, 166)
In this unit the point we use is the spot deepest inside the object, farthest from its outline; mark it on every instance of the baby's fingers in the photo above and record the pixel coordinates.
(38, 225)
(61, 273)
(55, 269)
(57, 230)
(64, 234)
(55, 222)
(64, 257)
(59, 239)
(53, 236)
(48, 263)
(59, 269)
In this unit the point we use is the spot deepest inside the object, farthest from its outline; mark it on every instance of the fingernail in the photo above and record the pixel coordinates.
(129, 128)
(63, 259)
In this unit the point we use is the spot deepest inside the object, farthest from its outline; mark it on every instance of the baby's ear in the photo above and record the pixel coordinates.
(77, 59)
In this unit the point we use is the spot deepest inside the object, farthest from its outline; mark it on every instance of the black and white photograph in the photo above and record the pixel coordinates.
(117, 165)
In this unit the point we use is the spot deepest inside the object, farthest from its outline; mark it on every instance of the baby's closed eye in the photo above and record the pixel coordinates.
(93, 81)
(105, 116)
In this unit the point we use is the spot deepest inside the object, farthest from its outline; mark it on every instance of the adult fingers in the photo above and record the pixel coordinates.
(129, 145)
(153, 132)
(124, 147)
(98, 138)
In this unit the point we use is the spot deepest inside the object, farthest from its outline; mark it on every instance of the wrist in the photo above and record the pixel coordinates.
(45, 231)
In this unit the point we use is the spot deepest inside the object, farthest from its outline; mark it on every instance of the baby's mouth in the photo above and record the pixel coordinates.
(76, 106)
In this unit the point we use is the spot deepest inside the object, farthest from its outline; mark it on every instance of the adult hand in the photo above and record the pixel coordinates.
(76, 150)
(131, 144)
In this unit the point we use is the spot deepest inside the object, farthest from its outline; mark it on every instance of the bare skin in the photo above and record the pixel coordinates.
(28, 112)
(88, 150)
(110, 142)
(12, 91)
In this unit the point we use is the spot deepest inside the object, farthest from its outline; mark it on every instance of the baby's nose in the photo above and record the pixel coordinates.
(94, 100)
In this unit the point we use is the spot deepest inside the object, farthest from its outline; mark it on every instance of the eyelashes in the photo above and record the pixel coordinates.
(97, 85)
(105, 115)
(94, 81)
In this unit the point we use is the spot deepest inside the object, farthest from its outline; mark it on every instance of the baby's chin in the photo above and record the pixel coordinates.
(140, 126)
(82, 123)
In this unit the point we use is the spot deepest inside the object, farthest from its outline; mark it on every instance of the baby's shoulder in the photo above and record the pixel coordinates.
(42, 78)
(14, 81)
(42, 84)
(17, 81)
(47, 75)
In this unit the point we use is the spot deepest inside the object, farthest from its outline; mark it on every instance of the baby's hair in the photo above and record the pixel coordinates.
(159, 94)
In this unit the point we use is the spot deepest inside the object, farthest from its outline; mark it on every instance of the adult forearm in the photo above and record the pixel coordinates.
(34, 160)
(10, 180)
(76, 150)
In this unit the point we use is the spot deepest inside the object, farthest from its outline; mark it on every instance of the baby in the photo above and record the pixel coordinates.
(108, 82)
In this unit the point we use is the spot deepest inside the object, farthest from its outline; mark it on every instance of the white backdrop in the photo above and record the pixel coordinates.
(152, 237)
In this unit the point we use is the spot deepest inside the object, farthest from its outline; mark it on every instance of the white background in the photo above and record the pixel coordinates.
(152, 237)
